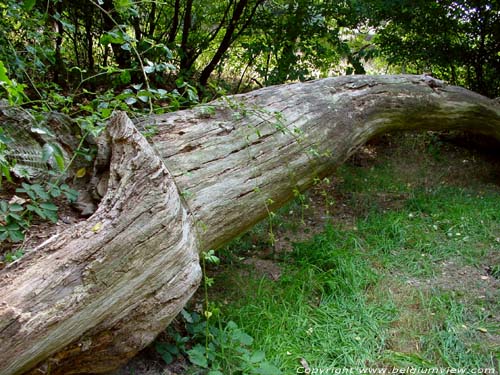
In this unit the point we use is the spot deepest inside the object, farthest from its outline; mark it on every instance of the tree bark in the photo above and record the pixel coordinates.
(89, 298)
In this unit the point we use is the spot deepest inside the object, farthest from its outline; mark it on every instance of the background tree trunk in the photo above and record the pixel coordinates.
(89, 298)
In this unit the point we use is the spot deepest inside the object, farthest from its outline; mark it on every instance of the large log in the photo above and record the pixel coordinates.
(89, 298)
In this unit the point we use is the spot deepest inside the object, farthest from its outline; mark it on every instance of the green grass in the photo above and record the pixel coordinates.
(320, 299)
(371, 295)
(431, 227)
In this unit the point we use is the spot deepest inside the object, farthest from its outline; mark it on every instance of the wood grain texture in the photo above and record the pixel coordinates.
(94, 294)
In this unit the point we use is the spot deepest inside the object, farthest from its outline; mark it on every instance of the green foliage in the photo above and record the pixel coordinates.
(210, 343)
(88, 45)
(13, 256)
(454, 40)
(299, 40)
(17, 215)
(5, 163)
(14, 90)
(226, 350)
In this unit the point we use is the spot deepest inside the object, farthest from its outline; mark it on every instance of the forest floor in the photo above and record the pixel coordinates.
(391, 264)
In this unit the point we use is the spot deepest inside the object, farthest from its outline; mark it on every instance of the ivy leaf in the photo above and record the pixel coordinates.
(149, 69)
(131, 100)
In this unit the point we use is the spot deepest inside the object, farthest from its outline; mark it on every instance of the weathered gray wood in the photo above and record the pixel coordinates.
(89, 297)
(231, 163)
(92, 296)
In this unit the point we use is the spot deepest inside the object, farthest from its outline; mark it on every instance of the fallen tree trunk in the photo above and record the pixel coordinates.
(89, 298)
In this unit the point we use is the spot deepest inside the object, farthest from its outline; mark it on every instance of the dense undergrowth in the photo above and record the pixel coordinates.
(402, 273)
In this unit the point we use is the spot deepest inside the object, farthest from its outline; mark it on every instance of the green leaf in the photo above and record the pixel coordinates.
(148, 69)
(12, 227)
(26, 189)
(15, 216)
(257, 357)
(42, 131)
(54, 191)
(242, 337)
(143, 98)
(52, 216)
(187, 316)
(16, 236)
(40, 191)
(173, 349)
(49, 206)
(131, 100)
(106, 112)
(6, 172)
(267, 368)
(167, 357)
(3, 235)
(10, 257)
(164, 350)
(3, 74)
(112, 37)
(59, 158)
(16, 207)
(38, 211)
(71, 194)
(197, 356)
(28, 4)
(53, 150)
(125, 76)
(123, 6)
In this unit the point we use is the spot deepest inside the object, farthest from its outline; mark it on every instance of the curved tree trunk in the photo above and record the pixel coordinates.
(91, 297)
